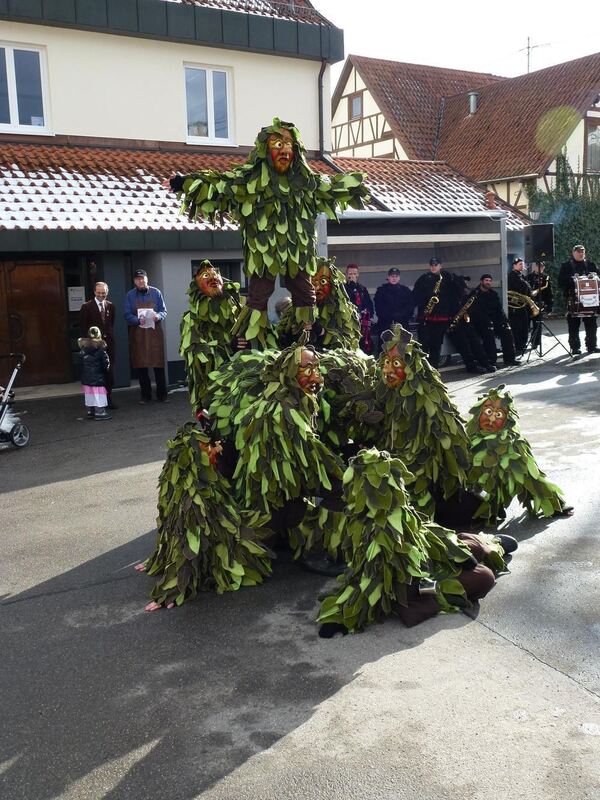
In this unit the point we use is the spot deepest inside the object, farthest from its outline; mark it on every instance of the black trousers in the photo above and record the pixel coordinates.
(469, 345)
(431, 336)
(574, 323)
(145, 385)
(519, 322)
(488, 333)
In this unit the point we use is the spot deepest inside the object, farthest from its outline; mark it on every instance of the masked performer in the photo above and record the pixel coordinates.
(337, 324)
(204, 543)
(420, 425)
(275, 197)
(399, 563)
(206, 328)
(503, 464)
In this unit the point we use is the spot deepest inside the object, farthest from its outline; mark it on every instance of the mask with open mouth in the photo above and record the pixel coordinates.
(281, 149)
(492, 417)
(209, 281)
(393, 368)
(308, 376)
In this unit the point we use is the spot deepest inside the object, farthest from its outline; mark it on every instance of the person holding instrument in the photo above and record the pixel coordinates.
(577, 265)
(490, 321)
(520, 305)
(541, 291)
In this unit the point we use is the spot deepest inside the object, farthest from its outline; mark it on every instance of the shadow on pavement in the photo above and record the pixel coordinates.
(97, 692)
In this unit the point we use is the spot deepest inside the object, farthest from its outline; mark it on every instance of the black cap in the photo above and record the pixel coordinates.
(486, 275)
(140, 273)
(393, 271)
(516, 259)
(434, 261)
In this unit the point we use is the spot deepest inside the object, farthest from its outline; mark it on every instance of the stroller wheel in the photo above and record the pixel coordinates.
(20, 435)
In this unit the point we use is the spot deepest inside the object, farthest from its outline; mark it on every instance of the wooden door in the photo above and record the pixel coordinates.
(37, 320)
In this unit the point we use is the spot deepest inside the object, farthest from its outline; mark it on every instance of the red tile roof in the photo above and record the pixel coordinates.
(521, 123)
(425, 187)
(409, 96)
(298, 10)
(51, 187)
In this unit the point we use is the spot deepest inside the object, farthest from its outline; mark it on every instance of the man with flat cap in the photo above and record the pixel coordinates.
(436, 295)
(490, 321)
(578, 264)
(144, 311)
(519, 311)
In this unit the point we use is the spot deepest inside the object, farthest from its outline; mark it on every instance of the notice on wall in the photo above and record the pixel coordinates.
(76, 297)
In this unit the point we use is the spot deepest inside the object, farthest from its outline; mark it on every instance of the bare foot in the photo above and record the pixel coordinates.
(153, 606)
(140, 567)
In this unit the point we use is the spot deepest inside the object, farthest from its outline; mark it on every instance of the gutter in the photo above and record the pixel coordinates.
(353, 214)
(321, 114)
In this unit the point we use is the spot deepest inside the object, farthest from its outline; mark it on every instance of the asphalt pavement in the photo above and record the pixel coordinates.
(235, 697)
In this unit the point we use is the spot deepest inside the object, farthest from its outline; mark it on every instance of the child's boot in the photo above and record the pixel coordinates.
(102, 413)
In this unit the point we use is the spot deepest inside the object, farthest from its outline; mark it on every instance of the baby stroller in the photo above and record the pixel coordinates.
(12, 430)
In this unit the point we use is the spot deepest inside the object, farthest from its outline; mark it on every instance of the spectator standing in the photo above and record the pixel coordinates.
(94, 369)
(394, 302)
(360, 297)
(144, 311)
(578, 264)
(100, 313)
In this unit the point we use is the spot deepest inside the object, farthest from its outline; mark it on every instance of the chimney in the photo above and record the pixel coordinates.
(473, 102)
(490, 199)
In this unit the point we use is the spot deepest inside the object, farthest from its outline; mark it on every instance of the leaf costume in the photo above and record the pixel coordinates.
(276, 214)
(205, 332)
(204, 543)
(389, 547)
(421, 425)
(336, 317)
(280, 455)
(503, 465)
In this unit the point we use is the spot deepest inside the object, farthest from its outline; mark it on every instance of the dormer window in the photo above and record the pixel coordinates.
(23, 103)
(355, 106)
(593, 146)
(209, 117)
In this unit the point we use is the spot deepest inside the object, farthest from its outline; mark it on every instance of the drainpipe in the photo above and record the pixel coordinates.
(321, 115)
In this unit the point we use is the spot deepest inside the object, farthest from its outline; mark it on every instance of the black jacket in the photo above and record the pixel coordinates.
(487, 307)
(359, 295)
(568, 270)
(393, 303)
(95, 363)
(543, 297)
(450, 294)
(517, 283)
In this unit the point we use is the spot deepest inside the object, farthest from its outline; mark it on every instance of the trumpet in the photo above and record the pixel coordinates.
(517, 301)
(462, 314)
(434, 299)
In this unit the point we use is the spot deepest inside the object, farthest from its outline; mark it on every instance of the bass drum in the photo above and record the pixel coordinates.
(586, 296)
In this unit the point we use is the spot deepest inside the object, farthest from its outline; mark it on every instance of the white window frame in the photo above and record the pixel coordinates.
(12, 127)
(212, 139)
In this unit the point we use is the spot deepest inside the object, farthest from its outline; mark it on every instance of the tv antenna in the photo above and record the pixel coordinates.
(531, 47)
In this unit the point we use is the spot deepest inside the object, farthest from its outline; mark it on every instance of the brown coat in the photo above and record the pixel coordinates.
(146, 346)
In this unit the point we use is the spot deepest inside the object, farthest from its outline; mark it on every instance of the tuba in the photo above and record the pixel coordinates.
(518, 301)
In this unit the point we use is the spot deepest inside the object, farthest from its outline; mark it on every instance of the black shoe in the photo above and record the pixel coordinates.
(508, 543)
(593, 349)
(162, 400)
(143, 402)
(515, 363)
(90, 414)
(475, 369)
(576, 352)
(490, 368)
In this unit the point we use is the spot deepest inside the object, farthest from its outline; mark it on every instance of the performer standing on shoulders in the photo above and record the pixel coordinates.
(359, 295)
(489, 320)
(518, 310)
(435, 295)
(578, 264)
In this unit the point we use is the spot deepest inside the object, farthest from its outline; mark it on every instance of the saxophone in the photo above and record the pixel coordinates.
(462, 314)
(542, 287)
(434, 299)
(517, 300)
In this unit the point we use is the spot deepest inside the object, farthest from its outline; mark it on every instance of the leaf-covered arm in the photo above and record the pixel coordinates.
(207, 193)
(336, 192)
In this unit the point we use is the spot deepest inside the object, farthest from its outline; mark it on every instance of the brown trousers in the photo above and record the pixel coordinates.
(261, 288)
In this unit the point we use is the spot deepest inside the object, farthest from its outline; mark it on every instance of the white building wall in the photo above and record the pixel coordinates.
(122, 87)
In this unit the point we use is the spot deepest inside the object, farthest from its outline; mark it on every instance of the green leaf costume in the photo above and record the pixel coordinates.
(504, 466)
(203, 542)
(421, 425)
(336, 314)
(206, 335)
(389, 546)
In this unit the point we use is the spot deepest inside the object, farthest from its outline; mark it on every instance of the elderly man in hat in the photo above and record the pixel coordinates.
(144, 311)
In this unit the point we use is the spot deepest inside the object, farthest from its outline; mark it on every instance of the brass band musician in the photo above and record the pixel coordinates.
(578, 264)
(518, 313)
(490, 321)
(434, 293)
(541, 291)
